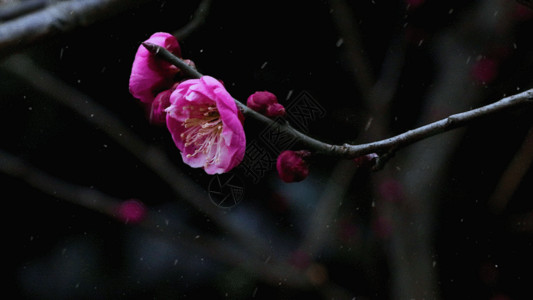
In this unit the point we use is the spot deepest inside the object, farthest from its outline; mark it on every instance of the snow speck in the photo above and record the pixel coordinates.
(289, 94)
(339, 42)
(264, 65)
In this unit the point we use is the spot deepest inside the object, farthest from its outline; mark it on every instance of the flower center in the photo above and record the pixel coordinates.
(203, 130)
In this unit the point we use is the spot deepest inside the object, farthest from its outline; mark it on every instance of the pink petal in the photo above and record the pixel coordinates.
(149, 74)
(187, 99)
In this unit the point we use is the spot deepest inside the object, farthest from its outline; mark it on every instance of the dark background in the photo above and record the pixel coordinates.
(60, 250)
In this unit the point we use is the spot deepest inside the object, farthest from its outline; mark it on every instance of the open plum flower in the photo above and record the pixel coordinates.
(204, 122)
(151, 75)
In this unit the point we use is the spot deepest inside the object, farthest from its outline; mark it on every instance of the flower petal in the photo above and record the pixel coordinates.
(149, 74)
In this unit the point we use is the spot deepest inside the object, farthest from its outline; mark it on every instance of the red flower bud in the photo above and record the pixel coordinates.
(265, 103)
(365, 161)
(292, 166)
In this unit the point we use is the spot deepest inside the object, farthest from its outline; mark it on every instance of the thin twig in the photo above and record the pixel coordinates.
(319, 229)
(197, 20)
(356, 61)
(86, 197)
(513, 175)
(353, 151)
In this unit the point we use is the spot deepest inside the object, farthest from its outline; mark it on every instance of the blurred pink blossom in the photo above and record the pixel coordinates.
(131, 211)
(485, 70)
(391, 191)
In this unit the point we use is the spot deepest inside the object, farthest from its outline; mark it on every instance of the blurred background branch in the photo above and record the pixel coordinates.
(54, 18)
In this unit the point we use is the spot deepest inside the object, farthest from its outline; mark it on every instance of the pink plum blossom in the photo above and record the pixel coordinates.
(291, 165)
(265, 103)
(204, 122)
(151, 75)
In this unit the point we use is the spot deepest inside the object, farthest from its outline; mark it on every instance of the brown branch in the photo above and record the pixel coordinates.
(59, 18)
(382, 146)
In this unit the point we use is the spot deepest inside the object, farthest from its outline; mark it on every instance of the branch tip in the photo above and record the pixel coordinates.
(153, 48)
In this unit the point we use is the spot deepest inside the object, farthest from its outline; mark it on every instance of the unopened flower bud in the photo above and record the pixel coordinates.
(291, 165)
(365, 161)
(157, 108)
(265, 103)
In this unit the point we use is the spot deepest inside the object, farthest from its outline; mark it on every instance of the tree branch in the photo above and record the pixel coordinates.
(59, 18)
(383, 146)
(14, 10)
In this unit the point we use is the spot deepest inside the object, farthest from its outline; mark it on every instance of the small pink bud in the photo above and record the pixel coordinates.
(265, 103)
(131, 211)
(366, 160)
(292, 166)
